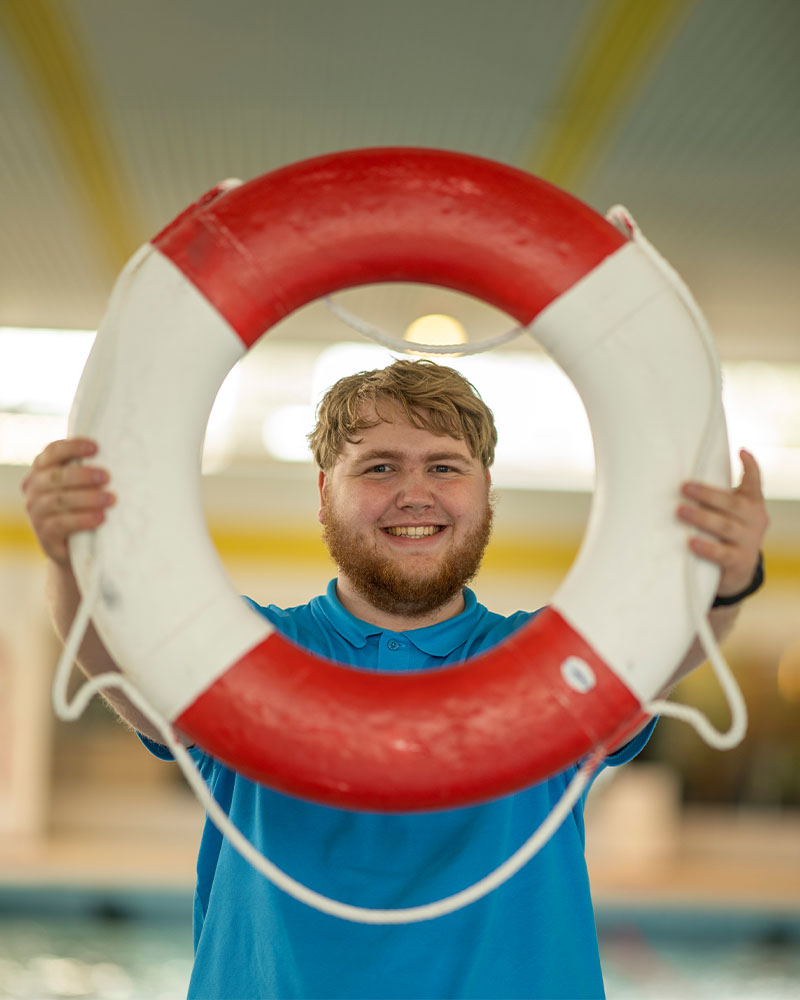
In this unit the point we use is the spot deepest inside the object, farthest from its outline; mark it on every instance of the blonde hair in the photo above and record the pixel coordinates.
(432, 396)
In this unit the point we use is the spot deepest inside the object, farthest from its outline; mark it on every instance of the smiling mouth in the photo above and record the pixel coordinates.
(416, 531)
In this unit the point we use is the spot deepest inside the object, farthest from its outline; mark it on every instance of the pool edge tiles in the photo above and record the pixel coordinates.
(95, 901)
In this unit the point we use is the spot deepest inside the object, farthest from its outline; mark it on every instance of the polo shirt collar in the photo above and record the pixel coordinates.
(351, 629)
(434, 640)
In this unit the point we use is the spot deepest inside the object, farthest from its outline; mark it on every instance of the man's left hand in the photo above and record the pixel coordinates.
(733, 523)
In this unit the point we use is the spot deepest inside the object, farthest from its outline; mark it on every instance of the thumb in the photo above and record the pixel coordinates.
(750, 486)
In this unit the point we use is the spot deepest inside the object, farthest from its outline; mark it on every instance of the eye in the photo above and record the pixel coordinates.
(379, 468)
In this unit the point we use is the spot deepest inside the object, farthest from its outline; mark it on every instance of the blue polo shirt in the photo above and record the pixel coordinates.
(532, 937)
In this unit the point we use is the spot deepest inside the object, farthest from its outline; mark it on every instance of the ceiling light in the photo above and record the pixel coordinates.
(436, 330)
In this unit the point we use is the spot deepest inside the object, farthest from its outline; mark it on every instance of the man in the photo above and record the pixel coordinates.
(404, 457)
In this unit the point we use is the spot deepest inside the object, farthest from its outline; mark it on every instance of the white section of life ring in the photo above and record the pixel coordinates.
(633, 350)
(166, 607)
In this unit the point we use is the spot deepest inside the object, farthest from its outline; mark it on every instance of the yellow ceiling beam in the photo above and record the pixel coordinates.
(49, 55)
(620, 44)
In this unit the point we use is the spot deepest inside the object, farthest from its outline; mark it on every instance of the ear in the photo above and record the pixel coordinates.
(322, 485)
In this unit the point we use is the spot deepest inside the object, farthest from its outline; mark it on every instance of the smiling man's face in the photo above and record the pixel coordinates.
(407, 518)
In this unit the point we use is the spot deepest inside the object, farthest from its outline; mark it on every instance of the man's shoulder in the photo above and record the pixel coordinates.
(495, 626)
(320, 625)
(287, 620)
(324, 626)
(274, 611)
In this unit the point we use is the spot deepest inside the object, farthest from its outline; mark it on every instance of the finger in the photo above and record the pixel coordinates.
(77, 500)
(52, 478)
(57, 453)
(54, 532)
(737, 568)
(52, 523)
(71, 477)
(721, 526)
(66, 450)
(750, 485)
(59, 489)
(711, 497)
(718, 552)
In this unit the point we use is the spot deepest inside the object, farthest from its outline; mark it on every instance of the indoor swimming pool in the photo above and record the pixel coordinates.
(59, 945)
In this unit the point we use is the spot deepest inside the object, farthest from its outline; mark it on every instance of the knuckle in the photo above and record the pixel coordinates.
(47, 453)
(744, 508)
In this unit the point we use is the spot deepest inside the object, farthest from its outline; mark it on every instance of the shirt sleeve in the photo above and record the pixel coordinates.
(156, 749)
(633, 747)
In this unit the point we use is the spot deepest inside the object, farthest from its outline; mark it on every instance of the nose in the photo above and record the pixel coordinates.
(414, 492)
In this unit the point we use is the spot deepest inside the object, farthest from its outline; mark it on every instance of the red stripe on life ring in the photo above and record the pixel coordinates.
(400, 742)
(267, 247)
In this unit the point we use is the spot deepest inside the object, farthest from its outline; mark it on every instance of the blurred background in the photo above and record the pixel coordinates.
(113, 118)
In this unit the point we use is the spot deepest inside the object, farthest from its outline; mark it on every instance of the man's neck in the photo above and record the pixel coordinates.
(361, 608)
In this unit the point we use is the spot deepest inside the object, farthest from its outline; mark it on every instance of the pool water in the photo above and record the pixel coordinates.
(760, 966)
(106, 958)
(109, 955)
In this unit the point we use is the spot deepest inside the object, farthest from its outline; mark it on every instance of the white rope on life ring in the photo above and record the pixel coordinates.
(190, 303)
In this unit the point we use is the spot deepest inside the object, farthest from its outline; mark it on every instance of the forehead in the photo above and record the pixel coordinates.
(394, 432)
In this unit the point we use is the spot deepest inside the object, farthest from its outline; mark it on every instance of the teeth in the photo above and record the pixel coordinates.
(415, 532)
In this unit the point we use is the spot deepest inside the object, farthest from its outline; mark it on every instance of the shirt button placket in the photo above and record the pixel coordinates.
(393, 654)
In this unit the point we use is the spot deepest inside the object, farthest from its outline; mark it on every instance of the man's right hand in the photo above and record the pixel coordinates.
(63, 496)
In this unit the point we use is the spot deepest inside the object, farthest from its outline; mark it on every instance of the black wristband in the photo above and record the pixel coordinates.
(751, 588)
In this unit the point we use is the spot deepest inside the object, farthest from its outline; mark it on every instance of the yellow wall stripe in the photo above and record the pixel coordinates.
(49, 55)
(305, 548)
(621, 43)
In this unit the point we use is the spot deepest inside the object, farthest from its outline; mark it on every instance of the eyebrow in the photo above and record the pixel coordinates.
(438, 456)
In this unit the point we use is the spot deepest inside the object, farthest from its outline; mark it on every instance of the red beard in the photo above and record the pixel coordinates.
(384, 582)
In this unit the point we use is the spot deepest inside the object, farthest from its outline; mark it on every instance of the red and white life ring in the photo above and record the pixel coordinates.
(190, 303)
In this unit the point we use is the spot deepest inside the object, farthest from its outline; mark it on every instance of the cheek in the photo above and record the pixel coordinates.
(358, 507)
(371, 499)
(466, 503)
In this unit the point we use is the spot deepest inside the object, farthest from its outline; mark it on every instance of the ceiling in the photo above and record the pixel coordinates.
(114, 116)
